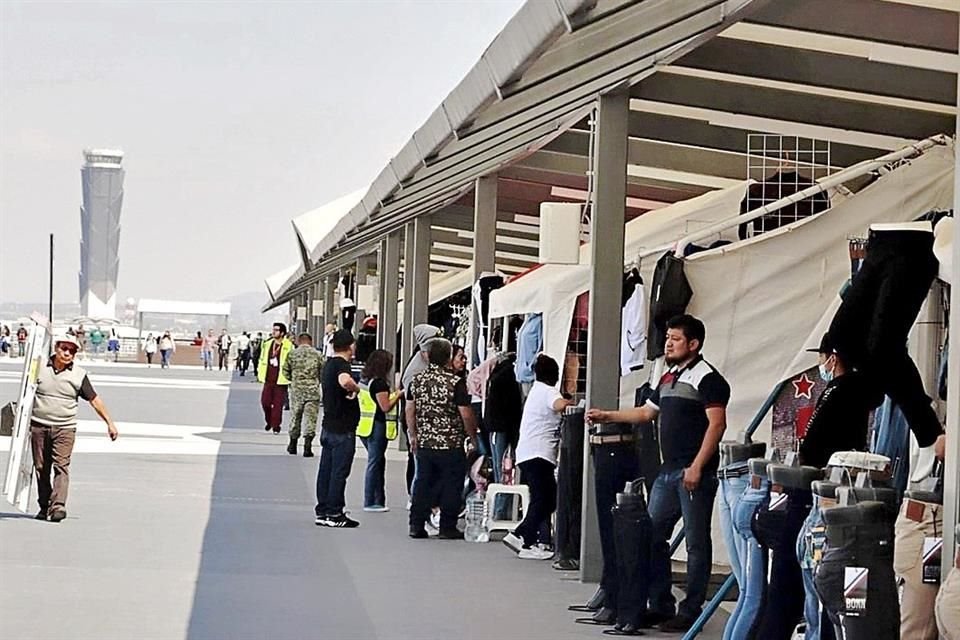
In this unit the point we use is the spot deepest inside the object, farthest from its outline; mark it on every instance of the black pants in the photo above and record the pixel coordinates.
(861, 536)
(614, 466)
(570, 487)
(440, 473)
(777, 531)
(537, 474)
(224, 360)
(872, 324)
(244, 361)
(632, 534)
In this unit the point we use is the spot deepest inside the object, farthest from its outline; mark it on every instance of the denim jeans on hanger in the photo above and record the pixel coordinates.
(732, 487)
(891, 438)
(752, 589)
(813, 537)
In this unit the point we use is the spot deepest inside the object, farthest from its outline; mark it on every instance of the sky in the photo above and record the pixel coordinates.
(235, 117)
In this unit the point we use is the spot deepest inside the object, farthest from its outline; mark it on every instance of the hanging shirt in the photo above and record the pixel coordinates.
(633, 328)
(529, 344)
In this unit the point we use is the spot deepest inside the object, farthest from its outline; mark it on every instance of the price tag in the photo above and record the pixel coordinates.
(855, 591)
(932, 554)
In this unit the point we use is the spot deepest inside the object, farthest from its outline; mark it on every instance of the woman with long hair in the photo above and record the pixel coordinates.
(373, 430)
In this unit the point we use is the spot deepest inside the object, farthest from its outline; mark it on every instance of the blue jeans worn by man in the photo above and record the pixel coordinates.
(669, 501)
(336, 460)
(373, 482)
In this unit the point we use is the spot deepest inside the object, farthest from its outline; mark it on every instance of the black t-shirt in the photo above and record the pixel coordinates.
(340, 413)
(378, 385)
(840, 419)
(683, 397)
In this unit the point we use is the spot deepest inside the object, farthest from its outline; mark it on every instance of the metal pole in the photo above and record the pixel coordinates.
(606, 278)
(387, 322)
(484, 245)
(50, 294)
(421, 270)
(406, 336)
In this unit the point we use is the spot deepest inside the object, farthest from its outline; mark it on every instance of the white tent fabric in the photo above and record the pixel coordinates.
(180, 307)
(766, 299)
(553, 289)
(314, 228)
(278, 281)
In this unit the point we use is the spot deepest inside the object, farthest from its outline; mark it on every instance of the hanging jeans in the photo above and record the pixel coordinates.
(733, 483)
(878, 310)
(570, 487)
(669, 501)
(777, 526)
(810, 544)
(754, 561)
(891, 438)
(614, 466)
(860, 536)
(917, 520)
(631, 533)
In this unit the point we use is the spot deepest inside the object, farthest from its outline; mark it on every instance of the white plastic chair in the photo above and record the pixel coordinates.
(494, 490)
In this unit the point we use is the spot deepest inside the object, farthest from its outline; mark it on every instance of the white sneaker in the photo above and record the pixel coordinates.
(536, 552)
(409, 504)
(376, 509)
(513, 542)
(435, 520)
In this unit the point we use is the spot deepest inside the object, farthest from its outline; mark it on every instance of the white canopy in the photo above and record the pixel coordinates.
(315, 228)
(278, 282)
(553, 289)
(181, 307)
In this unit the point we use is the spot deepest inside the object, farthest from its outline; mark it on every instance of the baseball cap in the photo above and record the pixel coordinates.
(67, 339)
(826, 346)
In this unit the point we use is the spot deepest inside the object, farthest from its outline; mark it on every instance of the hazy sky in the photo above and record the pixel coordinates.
(234, 117)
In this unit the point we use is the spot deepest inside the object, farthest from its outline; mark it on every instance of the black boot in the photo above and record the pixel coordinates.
(292, 447)
(308, 447)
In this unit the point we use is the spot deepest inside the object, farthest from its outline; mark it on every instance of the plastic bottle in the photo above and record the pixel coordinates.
(476, 517)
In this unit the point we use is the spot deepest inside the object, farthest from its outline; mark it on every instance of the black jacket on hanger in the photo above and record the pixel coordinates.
(670, 293)
(504, 405)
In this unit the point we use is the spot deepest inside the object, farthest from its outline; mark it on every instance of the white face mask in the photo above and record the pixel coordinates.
(826, 376)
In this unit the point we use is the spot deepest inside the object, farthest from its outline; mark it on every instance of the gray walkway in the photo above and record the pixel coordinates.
(171, 536)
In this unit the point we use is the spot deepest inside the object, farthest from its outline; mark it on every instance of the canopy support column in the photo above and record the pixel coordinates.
(390, 290)
(484, 245)
(406, 338)
(421, 270)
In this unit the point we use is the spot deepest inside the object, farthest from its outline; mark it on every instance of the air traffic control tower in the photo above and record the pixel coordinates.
(102, 180)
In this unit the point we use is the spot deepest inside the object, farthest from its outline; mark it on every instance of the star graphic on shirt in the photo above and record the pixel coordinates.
(803, 386)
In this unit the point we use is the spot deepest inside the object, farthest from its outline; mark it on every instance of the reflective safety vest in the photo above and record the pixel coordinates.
(368, 410)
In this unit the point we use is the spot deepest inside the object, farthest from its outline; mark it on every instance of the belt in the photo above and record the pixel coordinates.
(611, 429)
(726, 474)
(612, 439)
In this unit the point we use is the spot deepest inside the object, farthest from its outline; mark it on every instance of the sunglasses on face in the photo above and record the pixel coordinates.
(69, 348)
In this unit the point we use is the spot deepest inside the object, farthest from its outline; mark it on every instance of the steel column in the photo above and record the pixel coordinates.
(606, 279)
(329, 305)
(406, 337)
(484, 243)
(421, 270)
(390, 288)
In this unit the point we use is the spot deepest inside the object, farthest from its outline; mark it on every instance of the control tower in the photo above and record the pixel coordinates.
(102, 181)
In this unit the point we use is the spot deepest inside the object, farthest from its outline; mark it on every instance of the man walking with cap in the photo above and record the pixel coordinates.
(338, 437)
(53, 425)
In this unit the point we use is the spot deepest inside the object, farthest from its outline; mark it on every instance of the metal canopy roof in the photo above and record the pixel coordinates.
(867, 75)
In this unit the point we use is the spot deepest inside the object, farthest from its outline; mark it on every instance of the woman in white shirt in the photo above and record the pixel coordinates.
(150, 348)
(537, 458)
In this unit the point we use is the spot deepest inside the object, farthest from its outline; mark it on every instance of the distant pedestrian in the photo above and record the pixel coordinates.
(378, 425)
(273, 358)
(113, 344)
(303, 369)
(223, 347)
(243, 352)
(256, 343)
(439, 417)
(167, 348)
(338, 439)
(198, 339)
(150, 348)
(210, 344)
(96, 341)
(53, 425)
(21, 341)
(328, 340)
(81, 335)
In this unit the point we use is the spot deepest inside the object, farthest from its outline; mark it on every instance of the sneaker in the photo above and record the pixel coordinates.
(56, 515)
(342, 521)
(41, 515)
(536, 552)
(677, 624)
(376, 508)
(409, 504)
(452, 534)
(430, 529)
(322, 521)
(435, 520)
(513, 542)
(418, 534)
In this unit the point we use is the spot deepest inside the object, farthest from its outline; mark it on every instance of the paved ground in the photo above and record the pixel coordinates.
(196, 524)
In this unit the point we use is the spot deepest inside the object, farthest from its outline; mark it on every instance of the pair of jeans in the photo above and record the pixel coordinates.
(892, 439)
(224, 362)
(631, 533)
(614, 465)
(810, 543)
(499, 441)
(165, 358)
(570, 486)
(440, 475)
(374, 494)
(731, 490)
(777, 530)
(336, 460)
(669, 501)
(206, 357)
(878, 310)
(754, 562)
(861, 537)
(537, 474)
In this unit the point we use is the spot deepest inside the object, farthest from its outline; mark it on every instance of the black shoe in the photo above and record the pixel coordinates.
(307, 450)
(418, 534)
(452, 534)
(267, 428)
(650, 619)
(56, 515)
(342, 521)
(677, 624)
(276, 429)
(292, 447)
(41, 515)
(566, 564)
(604, 617)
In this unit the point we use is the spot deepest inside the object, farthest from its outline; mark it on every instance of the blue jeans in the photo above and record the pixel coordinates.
(165, 358)
(373, 481)
(499, 441)
(754, 563)
(813, 536)
(731, 489)
(336, 459)
(669, 501)
(207, 358)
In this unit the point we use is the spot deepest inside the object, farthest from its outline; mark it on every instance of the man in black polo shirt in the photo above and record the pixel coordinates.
(690, 405)
(338, 438)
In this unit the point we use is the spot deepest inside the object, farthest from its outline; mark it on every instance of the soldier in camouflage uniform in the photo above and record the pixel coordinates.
(303, 369)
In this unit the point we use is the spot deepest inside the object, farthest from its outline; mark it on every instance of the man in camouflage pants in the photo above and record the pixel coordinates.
(303, 369)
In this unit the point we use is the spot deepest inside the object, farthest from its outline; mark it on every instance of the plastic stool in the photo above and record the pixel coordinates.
(494, 490)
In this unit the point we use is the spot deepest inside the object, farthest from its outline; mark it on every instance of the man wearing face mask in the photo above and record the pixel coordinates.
(841, 417)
